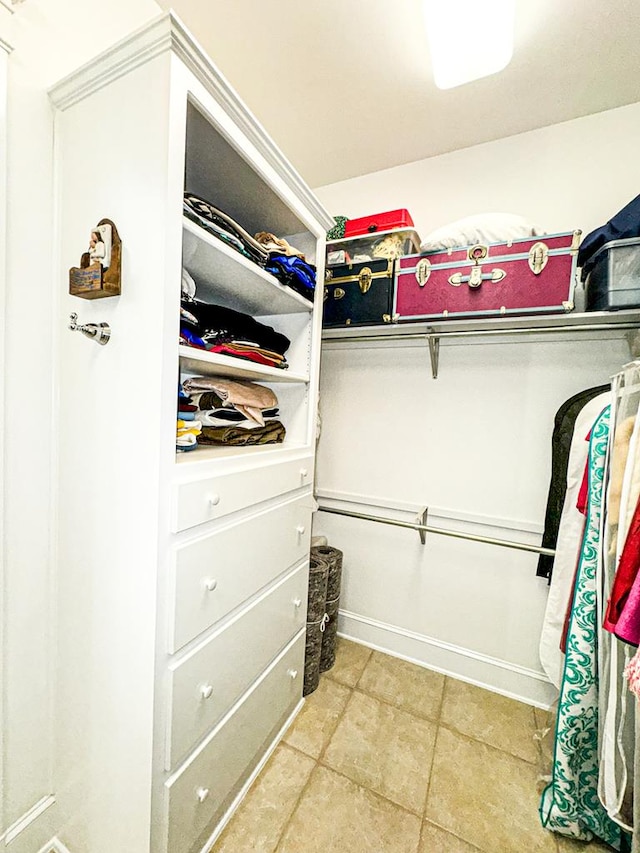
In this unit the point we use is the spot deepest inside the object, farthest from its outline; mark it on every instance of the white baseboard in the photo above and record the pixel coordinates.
(30, 832)
(509, 679)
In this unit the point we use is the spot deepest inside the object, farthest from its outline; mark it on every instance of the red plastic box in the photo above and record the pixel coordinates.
(378, 222)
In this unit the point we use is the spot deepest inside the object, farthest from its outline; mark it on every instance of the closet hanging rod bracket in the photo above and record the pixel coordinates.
(421, 520)
(434, 351)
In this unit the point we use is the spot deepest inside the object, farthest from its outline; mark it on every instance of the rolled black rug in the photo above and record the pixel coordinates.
(333, 556)
(318, 577)
(329, 635)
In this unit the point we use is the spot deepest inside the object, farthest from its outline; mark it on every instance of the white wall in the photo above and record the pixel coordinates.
(50, 38)
(571, 175)
(474, 444)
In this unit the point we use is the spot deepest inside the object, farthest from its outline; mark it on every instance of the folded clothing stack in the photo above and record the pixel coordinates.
(234, 413)
(279, 258)
(217, 222)
(293, 272)
(223, 330)
(187, 426)
(288, 264)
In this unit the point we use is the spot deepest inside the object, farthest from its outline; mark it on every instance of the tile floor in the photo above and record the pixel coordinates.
(388, 757)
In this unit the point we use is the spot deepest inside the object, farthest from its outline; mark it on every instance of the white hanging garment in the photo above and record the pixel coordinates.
(617, 705)
(568, 543)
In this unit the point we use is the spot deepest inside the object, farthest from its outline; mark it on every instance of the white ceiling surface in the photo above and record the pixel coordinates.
(345, 86)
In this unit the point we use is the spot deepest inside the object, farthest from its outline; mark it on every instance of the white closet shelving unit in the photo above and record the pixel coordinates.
(181, 578)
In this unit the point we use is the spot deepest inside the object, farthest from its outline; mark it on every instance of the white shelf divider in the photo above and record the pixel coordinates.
(227, 278)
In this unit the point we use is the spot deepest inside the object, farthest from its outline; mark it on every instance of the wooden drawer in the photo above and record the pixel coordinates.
(207, 683)
(213, 575)
(205, 786)
(213, 497)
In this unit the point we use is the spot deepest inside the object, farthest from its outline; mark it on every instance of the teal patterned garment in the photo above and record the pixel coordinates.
(570, 803)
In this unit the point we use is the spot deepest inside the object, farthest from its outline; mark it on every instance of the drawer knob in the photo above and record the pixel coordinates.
(210, 584)
(297, 602)
(304, 473)
(300, 529)
(202, 794)
(213, 500)
(206, 691)
(293, 674)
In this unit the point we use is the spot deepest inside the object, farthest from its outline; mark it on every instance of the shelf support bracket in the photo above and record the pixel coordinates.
(434, 351)
(421, 519)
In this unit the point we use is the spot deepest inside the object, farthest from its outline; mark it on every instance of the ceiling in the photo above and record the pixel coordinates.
(344, 87)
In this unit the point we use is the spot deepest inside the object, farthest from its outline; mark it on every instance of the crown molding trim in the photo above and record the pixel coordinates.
(168, 34)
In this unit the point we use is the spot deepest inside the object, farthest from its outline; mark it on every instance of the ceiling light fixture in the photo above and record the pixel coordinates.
(468, 39)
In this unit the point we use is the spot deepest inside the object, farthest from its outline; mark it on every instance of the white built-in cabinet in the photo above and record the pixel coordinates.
(181, 578)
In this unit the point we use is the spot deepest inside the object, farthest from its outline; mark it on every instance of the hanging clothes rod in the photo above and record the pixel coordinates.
(425, 528)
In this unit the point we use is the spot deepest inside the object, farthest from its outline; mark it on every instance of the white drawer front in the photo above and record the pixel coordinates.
(213, 497)
(215, 574)
(211, 679)
(199, 793)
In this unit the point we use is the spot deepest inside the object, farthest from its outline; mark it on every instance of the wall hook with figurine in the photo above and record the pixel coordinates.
(99, 273)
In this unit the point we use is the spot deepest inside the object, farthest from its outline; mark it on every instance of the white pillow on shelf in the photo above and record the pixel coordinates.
(481, 228)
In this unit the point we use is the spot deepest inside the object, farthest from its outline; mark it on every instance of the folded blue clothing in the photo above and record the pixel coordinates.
(294, 272)
(186, 416)
(191, 338)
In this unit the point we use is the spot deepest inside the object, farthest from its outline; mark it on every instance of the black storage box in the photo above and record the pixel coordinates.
(358, 294)
(613, 282)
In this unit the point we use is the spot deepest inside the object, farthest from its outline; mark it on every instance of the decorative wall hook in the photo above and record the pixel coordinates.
(99, 273)
(98, 332)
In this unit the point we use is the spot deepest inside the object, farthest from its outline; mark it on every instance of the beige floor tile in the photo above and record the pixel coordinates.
(569, 845)
(436, 840)
(351, 659)
(485, 796)
(258, 823)
(317, 721)
(491, 718)
(545, 719)
(410, 687)
(385, 749)
(337, 816)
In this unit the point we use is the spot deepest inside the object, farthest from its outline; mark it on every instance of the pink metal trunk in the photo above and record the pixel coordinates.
(530, 276)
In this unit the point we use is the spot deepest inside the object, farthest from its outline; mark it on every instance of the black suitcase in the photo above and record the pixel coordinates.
(358, 294)
(613, 280)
